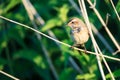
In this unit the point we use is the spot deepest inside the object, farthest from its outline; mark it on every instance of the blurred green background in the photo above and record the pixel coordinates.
(30, 56)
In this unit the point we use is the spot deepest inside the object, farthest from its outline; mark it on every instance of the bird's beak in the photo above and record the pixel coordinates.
(68, 24)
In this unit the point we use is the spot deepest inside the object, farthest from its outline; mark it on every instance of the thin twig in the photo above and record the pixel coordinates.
(115, 10)
(107, 18)
(112, 58)
(104, 25)
(82, 6)
(9, 75)
(102, 38)
(116, 52)
(94, 4)
(28, 7)
(106, 64)
(99, 51)
(94, 28)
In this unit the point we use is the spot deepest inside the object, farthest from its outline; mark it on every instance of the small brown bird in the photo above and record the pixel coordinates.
(79, 32)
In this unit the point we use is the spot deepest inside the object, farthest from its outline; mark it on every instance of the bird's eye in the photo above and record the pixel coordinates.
(73, 22)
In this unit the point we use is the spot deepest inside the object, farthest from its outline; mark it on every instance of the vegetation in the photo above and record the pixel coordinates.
(28, 55)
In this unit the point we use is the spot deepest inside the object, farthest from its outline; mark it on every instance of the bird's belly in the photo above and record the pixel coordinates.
(80, 38)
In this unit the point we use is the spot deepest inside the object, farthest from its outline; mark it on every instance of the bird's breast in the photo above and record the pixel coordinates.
(81, 37)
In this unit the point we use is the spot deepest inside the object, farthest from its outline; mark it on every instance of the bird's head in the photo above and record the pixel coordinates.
(74, 23)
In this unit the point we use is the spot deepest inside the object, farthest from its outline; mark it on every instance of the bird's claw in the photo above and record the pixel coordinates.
(72, 47)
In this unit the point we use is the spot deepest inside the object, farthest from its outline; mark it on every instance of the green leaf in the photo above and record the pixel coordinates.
(115, 73)
(2, 63)
(3, 44)
(11, 5)
(63, 11)
(85, 77)
(118, 6)
(51, 24)
(67, 74)
(86, 56)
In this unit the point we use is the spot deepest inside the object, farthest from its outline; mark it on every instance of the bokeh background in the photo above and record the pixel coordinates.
(28, 55)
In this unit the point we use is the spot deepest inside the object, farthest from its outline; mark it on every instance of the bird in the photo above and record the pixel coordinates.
(79, 32)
